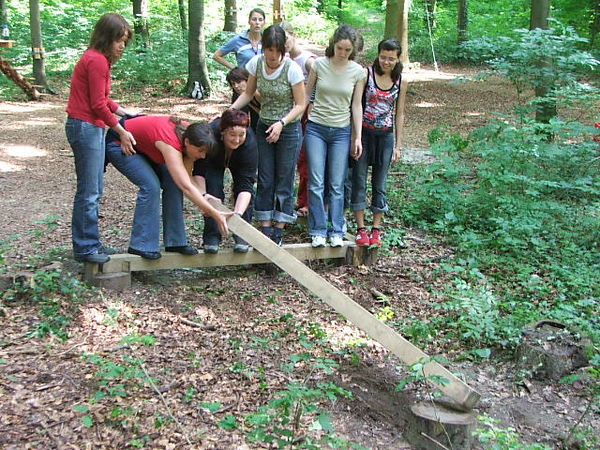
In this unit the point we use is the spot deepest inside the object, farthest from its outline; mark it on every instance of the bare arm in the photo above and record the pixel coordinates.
(219, 57)
(357, 112)
(241, 202)
(299, 104)
(181, 176)
(247, 95)
(399, 122)
(310, 86)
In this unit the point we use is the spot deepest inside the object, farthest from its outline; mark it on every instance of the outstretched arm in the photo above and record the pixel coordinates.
(181, 176)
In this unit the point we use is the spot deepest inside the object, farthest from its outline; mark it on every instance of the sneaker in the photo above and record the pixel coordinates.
(183, 249)
(336, 241)
(362, 237)
(94, 258)
(277, 236)
(318, 241)
(267, 231)
(143, 254)
(375, 237)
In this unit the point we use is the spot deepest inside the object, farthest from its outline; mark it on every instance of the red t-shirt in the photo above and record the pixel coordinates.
(90, 89)
(147, 130)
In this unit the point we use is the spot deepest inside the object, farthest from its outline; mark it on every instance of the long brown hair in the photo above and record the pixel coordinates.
(110, 28)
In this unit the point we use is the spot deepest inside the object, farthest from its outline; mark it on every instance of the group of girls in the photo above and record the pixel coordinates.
(156, 153)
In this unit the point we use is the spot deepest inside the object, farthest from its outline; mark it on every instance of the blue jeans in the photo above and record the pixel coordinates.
(378, 149)
(214, 186)
(87, 142)
(327, 149)
(275, 198)
(150, 178)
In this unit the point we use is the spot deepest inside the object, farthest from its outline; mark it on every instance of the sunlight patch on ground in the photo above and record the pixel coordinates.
(428, 105)
(8, 167)
(22, 151)
(33, 122)
(6, 107)
(474, 114)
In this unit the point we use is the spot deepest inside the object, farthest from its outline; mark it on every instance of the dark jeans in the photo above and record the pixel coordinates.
(276, 170)
(215, 187)
(378, 149)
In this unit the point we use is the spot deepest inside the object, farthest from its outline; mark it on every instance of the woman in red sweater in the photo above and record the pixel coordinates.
(90, 111)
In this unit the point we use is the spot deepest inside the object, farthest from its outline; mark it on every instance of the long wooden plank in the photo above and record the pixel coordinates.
(225, 257)
(456, 389)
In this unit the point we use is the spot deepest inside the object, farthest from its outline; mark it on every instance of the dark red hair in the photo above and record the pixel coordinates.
(234, 118)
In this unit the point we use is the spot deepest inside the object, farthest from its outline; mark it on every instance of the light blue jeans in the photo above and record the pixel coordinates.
(151, 178)
(327, 150)
(378, 149)
(275, 198)
(87, 142)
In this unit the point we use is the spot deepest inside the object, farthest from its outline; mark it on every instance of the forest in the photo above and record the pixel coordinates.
(490, 260)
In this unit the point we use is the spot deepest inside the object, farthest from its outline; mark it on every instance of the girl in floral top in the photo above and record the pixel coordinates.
(384, 99)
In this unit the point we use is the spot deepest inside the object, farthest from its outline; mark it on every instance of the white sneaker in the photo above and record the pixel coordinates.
(336, 241)
(318, 241)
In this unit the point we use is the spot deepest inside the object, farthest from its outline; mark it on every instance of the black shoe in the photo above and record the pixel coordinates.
(241, 246)
(183, 249)
(145, 255)
(94, 258)
(107, 250)
(211, 248)
(277, 236)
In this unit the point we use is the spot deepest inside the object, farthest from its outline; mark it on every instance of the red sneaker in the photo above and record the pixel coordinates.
(375, 237)
(362, 238)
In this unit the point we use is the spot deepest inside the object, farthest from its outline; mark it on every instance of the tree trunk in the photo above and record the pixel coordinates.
(182, 15)
(3, 13)
(278, 14)
(431, 9)
(546, 110)
(463, 21)
(140, 24)
(37, 47)
(197, 70)
(391, 19)
(231, 18)
(595, 23)
(403, 9)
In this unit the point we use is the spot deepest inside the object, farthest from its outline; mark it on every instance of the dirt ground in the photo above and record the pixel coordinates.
(254, 319)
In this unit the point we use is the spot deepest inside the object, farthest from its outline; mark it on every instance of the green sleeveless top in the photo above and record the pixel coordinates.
(277, 98)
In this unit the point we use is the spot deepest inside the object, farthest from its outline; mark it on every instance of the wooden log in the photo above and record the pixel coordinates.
(382, 333)
(16, 77)
(434, 427)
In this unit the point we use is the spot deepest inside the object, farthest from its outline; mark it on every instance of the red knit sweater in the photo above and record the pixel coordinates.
(90, 89)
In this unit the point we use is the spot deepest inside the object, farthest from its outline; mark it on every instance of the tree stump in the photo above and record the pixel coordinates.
(433, 427)
(117, 281)
(549, 351)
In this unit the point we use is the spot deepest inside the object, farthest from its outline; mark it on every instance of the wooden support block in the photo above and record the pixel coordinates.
(117, 281)
(434, 427)
(389, 338)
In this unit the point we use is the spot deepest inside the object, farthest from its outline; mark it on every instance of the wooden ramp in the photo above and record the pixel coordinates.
(456, 389)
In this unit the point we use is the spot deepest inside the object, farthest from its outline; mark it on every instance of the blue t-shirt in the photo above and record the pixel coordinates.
(241, 45)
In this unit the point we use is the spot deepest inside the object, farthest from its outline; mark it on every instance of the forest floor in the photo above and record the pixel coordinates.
(90, 391)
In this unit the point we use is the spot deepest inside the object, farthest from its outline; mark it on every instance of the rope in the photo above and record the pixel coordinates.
(435, 64)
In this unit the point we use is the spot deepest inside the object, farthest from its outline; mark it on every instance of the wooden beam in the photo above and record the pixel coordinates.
(456, 389)
(225, 257)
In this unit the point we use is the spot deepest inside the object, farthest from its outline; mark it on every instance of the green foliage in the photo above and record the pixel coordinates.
(524, 212)
(417, 374)
(551, 58)
(494, 437)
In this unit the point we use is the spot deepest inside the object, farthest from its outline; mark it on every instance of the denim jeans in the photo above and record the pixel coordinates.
(87, 142)
(214, 186)
(275, 198)
(327, 149)
(150, 178)
(378, 149)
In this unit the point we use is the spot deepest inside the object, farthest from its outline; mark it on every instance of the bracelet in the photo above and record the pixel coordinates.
(282, 122)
